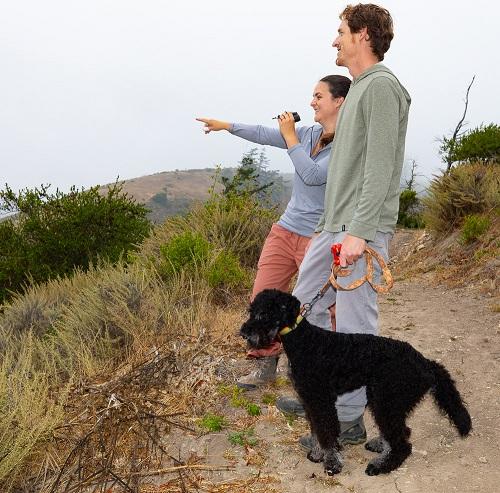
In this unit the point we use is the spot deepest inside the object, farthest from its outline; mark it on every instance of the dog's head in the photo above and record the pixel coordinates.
(270, 311)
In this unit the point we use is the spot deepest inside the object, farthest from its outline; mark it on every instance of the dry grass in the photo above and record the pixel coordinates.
(259, 484)
(108, 361)
(29, 410)
(128, 358)
(467, 189)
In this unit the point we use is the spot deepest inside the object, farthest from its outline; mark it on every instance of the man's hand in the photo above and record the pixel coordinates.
(213, 125)
(352, 248)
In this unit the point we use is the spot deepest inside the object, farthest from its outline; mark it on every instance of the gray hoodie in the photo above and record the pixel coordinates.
(362, 190)
(306, 204)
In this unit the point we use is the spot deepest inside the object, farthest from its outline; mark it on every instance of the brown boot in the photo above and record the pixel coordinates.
(264, 373)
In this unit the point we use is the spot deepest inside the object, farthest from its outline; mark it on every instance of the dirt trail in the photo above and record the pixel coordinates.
(457, 327)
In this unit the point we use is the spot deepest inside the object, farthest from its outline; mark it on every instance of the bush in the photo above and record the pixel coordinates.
(225, 271)
(184, 252)
(409, 214)
(53, 234)
(465, 190)
(233, 224)
(480, 144)
(192, 253)
(474, 226)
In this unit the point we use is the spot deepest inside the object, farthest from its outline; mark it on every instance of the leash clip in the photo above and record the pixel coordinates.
(336, 253)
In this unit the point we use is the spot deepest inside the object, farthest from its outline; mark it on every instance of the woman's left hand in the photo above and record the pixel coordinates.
(287, 129)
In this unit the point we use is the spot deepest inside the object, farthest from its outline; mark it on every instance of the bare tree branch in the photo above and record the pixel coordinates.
(453, 140)
(460, 123)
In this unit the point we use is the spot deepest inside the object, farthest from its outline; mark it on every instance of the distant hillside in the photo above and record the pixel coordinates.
(173, 192)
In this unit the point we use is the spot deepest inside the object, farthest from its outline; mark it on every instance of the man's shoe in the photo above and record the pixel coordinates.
(289, 405)
(264, 373)
(351, 433)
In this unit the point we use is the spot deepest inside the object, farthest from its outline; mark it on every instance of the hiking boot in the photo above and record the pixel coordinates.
(289, 405)
(283, 368)
(264, 373)
(351, 433)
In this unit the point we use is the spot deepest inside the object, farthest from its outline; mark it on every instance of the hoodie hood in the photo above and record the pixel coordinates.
(377, 70)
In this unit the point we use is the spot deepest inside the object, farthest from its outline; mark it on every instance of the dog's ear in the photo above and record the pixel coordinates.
(275, 307)
(289, 306)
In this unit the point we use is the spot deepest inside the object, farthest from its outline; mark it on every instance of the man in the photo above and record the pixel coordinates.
(362, 192)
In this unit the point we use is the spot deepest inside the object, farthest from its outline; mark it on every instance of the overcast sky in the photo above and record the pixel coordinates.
(95, 89)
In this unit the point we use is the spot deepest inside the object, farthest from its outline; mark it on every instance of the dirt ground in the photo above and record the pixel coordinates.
(458, 327)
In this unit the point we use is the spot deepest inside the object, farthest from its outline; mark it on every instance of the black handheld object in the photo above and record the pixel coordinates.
(296, 117)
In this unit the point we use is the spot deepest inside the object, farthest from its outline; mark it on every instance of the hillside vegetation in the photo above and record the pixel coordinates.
(100, 369)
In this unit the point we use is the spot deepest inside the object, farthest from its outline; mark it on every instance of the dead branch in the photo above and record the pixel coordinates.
(453, 140)
(168, 470)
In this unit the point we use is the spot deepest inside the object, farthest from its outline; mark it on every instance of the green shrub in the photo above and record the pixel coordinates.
(474, 226)
(226, 271)
(238, 224)
(191, 253)
(409, 214)
(479, 144)
(184, 252)
(465, 190)
(53, 234)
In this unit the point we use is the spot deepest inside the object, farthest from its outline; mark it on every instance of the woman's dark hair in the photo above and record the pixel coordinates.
(338, 85)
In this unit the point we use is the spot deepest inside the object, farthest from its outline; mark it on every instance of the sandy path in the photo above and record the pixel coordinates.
(457, 327)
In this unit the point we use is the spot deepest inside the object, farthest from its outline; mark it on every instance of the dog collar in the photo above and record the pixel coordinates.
(287, 330)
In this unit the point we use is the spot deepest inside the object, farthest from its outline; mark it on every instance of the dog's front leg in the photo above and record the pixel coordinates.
(325, 430)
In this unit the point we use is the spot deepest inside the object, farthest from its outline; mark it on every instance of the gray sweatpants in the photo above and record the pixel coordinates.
(356, 310)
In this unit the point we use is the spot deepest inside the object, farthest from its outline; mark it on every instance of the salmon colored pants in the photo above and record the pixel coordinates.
(279, 261)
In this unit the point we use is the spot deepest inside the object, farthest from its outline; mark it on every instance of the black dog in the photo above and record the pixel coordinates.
(327, 364)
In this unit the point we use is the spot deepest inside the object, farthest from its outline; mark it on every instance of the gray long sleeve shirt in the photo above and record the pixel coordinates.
(362, 192)
(306, 204)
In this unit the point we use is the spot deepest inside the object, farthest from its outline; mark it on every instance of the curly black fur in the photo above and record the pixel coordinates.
(327, 364)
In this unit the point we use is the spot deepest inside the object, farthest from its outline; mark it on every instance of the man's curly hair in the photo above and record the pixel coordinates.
(378, 23)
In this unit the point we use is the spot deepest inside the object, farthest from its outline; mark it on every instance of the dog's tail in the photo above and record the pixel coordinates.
(449, 400)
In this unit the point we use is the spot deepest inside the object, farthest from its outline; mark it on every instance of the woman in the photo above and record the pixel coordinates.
(309, 150)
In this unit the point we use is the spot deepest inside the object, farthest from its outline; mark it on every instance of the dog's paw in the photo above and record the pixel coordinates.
(378, 445)
(333, 470)
(372, 470)
(315, 455)
(333, 462)
(387, 461)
